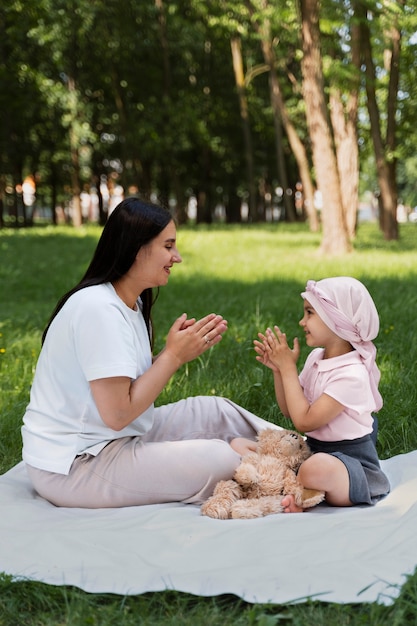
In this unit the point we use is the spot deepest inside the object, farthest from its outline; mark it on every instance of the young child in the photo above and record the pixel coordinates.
(333, 399)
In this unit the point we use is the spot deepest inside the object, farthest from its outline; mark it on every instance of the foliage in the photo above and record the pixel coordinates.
(253, 275)
(143, 92)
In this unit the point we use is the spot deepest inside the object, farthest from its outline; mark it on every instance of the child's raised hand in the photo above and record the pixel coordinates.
(263, 354)
(277, 348)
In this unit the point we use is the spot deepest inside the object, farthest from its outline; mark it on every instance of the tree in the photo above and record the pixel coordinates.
(20, 104)
(146, 91)
(235, 44)
(343, 76)
(385, 149)
(261, 21)
(335, 239)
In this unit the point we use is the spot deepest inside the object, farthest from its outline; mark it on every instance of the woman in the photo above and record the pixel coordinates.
(91, 434)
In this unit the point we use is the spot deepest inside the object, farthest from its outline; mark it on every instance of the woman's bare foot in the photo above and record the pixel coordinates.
(288, 502)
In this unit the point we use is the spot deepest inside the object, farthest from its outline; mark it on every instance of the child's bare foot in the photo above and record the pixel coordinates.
(288, 502)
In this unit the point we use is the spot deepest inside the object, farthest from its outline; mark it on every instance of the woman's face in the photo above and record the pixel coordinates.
(154, 261)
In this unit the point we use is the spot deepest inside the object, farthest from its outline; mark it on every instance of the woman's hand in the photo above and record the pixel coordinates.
(120, 400)
(188, 338)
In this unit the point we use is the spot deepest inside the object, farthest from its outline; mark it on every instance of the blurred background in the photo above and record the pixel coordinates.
(225, 110)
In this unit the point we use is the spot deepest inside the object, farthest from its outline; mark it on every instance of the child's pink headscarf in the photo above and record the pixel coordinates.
(346, 307)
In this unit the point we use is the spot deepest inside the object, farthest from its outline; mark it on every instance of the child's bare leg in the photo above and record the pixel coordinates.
(326, 473)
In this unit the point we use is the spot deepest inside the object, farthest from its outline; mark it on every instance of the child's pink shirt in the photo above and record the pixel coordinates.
(346, 379)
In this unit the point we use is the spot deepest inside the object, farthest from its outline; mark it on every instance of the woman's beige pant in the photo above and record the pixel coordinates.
(180, 459)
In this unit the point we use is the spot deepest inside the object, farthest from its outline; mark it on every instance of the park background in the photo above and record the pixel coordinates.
(271, 131)
(236, 110)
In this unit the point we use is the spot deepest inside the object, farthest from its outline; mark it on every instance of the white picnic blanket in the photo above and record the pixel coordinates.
(360, 554)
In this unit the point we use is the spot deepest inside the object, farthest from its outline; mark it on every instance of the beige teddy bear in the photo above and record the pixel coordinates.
(263, 478)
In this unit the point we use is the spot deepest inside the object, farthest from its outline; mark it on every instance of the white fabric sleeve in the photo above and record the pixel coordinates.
(104, 342)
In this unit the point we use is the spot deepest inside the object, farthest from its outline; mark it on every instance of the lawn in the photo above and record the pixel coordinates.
(253, 276)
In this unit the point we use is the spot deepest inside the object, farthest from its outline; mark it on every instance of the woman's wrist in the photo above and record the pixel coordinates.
(169, 358)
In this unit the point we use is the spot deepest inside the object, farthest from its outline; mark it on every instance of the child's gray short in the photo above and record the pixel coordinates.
(367, 482)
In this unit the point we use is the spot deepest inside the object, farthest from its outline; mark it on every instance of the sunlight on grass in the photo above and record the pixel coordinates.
(251, 253)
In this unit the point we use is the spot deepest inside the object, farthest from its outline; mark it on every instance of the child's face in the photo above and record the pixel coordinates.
(317, 333)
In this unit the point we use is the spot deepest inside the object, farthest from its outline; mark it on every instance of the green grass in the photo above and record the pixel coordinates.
(253, 276)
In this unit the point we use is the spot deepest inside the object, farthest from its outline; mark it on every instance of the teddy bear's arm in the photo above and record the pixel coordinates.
(246, 473)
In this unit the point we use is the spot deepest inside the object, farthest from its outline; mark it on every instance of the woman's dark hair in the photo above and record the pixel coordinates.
(131, 225)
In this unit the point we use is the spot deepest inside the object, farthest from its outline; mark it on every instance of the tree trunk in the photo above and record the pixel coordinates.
(203, 192)
(233, 204)
(2, 198)
(180, 201)
(165, 182)
(75, 162)
(204, 215)
(281, 116)
(334, 239)
(275, 96)
(385, 172)
(244, 115)
(75, 185)
(264, 30)
(301, 157)
(102, 211)
(346, 141)
(344, 117)
(393, 68)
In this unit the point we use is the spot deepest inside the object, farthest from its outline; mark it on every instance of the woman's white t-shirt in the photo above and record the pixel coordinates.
(95, 335)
